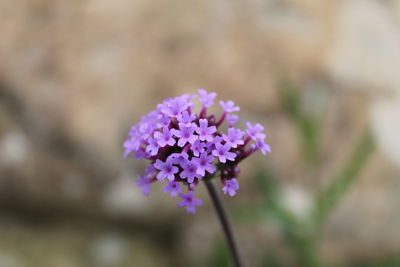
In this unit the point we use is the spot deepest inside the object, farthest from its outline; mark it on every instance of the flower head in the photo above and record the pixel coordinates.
(183, 146)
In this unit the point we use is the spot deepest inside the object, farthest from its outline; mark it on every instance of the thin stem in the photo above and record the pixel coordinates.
(226, 226)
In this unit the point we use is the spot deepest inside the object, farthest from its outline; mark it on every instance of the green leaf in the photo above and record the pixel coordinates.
(347, 175)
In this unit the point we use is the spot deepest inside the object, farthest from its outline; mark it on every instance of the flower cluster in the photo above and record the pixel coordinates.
(184, 147)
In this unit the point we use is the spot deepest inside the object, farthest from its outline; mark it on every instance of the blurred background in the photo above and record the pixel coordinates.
(322, 76)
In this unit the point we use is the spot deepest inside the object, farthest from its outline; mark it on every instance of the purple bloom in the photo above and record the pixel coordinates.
(230, 187)
(189, 201)
(167, 170)
(141, 153)
(222, 152)
(173, 187)
(163, 121)
(131, 144)
(179, 158)
(175, 106)
(197, 148)
(234, 137)
(232, 119)
(205, 132)
(262, 146)
(144, 183)
(229, 106)
(189, 171)
(185, 135)
(255, 131)
(152, 147)
(186, 119)
(207, 99)
(134, 131)
(146, 130)
(164, 138)
(184, 147)
(150, 170)
(205, 163)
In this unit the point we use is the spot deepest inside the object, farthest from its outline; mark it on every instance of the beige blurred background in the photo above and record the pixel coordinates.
(75, 75)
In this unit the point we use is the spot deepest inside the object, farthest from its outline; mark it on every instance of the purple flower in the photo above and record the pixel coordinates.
(131, 144)
(205, 132)
(222, 152)
(262, 146)
(185, 135)
(205, 163)
(144, 183)
(175, 106)
(189, 201)
(173, 187)
(184, 147)
(179, 158)
(232, 119)
(189, 171)
(186, 119)
(230, 187)
(229, 106)
(167, 170)
(146, 130)
(152, 147)
(197, 148)
(234, 137)
(163, 121)
(150, 170)
(164, 138)
(255, 131)
(207, 99)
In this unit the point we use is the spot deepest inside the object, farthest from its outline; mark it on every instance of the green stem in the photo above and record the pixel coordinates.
(226, 226)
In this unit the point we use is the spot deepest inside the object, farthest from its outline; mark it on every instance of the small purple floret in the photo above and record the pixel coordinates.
(234, 137)
(153, 147)
(173, 187)
(255, 131)
(144, 183)
(207, 99)
(185, 135)
(230, 187)
(197, 148)
(164, 138)
(190, 171)
(189, 201)
(167, 170)
(229, 106)
(205, 132)
(222, 152)
(186, 119)
(205, 163)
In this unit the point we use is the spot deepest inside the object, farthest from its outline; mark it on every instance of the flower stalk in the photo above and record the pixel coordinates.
(226, 226)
